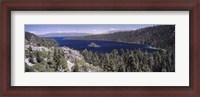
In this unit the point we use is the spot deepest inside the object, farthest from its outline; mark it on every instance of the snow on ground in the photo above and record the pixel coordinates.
(37, 48)
(69, 64)
(28, 63)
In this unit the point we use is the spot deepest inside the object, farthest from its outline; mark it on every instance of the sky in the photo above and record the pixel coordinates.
(41, 29)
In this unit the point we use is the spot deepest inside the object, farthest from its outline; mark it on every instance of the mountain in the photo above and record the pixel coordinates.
(112, 31)
(65, 34)
(162, 36)
(36, 40)
(43, 55)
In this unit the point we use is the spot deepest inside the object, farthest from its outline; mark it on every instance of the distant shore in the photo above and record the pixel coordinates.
(149, 46)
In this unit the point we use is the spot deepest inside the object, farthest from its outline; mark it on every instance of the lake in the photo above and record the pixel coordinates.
(105, 46)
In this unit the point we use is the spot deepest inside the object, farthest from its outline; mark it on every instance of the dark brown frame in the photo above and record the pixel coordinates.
(99, 5)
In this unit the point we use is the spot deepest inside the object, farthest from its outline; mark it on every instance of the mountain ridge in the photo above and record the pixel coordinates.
(31, 38)
(162, 36)
(65, 34)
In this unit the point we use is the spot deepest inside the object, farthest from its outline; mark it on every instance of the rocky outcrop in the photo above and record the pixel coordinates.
(71, 54)
(70, 57)
(38, 48)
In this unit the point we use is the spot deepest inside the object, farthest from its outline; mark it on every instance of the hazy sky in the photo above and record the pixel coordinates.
(80, 28)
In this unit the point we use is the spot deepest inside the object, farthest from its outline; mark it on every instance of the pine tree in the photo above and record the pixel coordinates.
(38, 57)
(49, 55)
(30, 49)
(112, 65)
(63, 63)
(56, 58)
(76, 67)
(151, 61)
(131, 64)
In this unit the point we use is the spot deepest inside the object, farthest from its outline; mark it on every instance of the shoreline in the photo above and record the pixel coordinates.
(148, 46)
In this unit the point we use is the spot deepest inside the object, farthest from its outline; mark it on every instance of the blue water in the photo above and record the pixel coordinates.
(105, 46)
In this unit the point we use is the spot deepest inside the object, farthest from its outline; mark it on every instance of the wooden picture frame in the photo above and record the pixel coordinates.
(193, 90)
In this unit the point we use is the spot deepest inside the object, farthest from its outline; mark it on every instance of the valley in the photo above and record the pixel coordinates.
(150, 49)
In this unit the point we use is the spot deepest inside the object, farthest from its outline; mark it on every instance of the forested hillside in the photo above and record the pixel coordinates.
(42, 55)
(34, 39)
(162, 36)
(132, 61)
